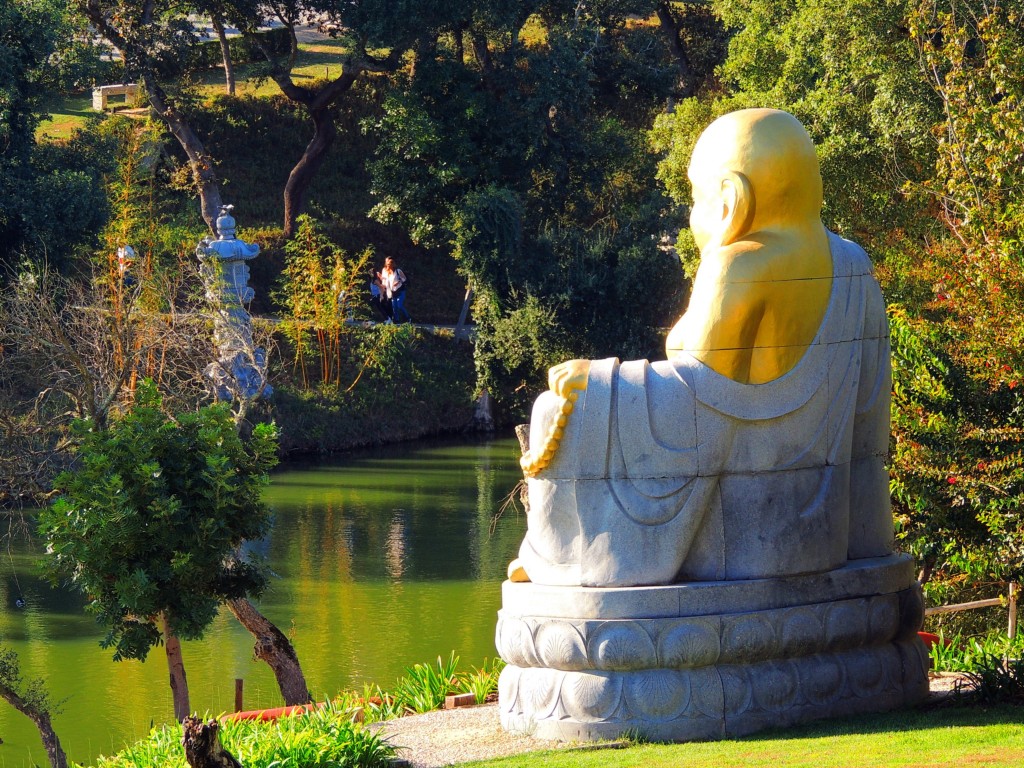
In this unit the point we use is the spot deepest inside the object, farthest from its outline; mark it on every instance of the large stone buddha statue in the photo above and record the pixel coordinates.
(758, 448)
(744, 476)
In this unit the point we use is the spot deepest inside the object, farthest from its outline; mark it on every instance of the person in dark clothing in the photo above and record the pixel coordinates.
(378, 300)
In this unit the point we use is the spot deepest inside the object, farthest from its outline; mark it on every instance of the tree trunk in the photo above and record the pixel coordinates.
(460, 45)
(225, 52)
(202, 745)
(482, 53)
(275, 649)
(176, 668)
(324, 133)
(51, 743)
(199, 160)
(319, 104)
(670, 27)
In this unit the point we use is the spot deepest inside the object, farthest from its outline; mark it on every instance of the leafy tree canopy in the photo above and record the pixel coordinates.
(151, 519)
(849, 70)
(25, 43)
(915, 107)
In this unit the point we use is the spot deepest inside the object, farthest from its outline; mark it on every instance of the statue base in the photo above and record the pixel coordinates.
(710, 660)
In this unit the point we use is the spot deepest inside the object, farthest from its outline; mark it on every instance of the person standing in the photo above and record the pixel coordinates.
(393, 280)
(377, 299)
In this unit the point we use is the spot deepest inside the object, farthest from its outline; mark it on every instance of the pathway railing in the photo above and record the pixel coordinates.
(1010, 601)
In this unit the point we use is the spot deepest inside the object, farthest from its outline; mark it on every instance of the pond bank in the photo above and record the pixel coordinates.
(411, 385)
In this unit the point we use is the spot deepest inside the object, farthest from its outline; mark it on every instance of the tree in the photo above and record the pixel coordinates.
(48, 204)
(972, 56)
(959, 425)
(915, 106)
(31, 699)
(514, 141)
(957, 463)
(697, 39)
(83, 345)
(76, 63)
(225, 50)
(368, 26)
(316, 291)
(24, 44)
(149, 524)
(848, 69)
(149, 35)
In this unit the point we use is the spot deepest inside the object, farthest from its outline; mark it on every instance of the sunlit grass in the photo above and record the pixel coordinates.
(65, 116)
(938, 738)
(318, 60)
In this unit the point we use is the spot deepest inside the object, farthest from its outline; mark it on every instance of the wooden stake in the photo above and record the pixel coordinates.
(1011, 628)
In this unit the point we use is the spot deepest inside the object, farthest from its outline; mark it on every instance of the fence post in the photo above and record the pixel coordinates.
(238, 694)
(1011, 628)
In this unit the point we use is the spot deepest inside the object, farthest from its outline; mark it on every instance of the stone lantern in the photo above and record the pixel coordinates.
(241, 369)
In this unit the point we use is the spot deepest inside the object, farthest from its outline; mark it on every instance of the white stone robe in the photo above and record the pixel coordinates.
(671, 472)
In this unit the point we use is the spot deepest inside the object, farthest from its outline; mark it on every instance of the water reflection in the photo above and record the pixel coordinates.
(383, 559)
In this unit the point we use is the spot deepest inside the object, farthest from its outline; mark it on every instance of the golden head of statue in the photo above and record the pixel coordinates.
(765, 273)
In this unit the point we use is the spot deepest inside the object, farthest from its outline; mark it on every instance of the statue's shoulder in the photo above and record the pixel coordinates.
(769, 256)
(849, 258)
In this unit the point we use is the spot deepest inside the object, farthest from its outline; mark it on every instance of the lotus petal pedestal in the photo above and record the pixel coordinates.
(710, 660)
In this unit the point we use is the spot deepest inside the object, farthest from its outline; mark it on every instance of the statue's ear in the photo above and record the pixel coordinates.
(738, 204)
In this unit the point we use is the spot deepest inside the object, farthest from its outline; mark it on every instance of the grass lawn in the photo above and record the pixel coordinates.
(316, 61)
(66, 115)
(963, 736)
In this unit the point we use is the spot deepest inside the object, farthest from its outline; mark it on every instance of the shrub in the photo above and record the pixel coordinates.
(425, 686)
(150, 520)
(970, 654)
(410, 384)
(994, 680)
(323, 738)
(482, 682)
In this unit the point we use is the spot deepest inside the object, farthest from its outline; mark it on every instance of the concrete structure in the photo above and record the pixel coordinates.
(102, 93)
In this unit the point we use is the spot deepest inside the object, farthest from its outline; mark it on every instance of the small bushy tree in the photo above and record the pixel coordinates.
(957, 464)
(319, 288)
(150, 521)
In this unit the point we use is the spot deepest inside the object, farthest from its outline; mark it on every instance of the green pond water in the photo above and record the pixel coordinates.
(383, 558)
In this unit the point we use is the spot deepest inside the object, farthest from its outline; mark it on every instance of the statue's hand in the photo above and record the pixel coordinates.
(568, 376)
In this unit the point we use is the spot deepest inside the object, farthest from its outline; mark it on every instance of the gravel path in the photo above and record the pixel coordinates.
(447, 737)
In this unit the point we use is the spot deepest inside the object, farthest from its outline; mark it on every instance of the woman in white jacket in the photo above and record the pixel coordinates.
(393, 280)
